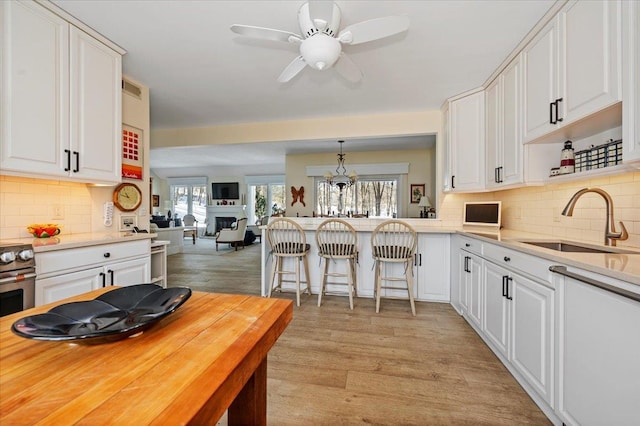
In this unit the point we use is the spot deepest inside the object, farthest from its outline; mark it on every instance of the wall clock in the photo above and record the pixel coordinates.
(127, 197)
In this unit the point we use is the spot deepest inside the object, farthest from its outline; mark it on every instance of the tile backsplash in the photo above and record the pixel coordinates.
(537, 209)
(24, 201)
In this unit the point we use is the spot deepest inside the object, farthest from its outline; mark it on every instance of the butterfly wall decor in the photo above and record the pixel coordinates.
(297, 195)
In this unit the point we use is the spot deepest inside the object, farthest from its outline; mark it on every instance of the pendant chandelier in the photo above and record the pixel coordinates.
(341, 179)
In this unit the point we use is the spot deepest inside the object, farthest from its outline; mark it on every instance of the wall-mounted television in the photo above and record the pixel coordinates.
(225, 191)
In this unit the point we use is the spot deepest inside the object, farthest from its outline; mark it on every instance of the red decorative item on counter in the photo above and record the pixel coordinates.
(44, 230)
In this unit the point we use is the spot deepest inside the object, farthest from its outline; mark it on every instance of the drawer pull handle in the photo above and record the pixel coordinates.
(107, 255)
(507, 259)
(504, 285)
(507, 295)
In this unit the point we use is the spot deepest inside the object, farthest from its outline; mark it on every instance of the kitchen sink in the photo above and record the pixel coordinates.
(575, 247)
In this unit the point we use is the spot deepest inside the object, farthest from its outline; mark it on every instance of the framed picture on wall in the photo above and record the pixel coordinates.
(155, 201)
(417, 192)
(131, 152)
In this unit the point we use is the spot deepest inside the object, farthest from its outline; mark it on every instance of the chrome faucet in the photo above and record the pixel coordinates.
(610, 234)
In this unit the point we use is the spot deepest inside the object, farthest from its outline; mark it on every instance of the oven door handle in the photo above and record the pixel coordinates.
(16, 278)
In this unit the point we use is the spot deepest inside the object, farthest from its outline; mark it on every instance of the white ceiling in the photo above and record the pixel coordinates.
(200, 73)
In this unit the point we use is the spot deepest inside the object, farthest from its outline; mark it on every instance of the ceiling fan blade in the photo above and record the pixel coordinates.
(266, 33)
(292, 69)
(321, 13)
(348, 69)
(373, 29)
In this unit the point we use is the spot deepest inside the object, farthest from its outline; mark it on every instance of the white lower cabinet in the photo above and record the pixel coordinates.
(433, 267)
(60, 287)
(598, 348)
(496, 306)
(69, 272)
(130, 272)
(518, 324)
(474, 289)
(512, 312)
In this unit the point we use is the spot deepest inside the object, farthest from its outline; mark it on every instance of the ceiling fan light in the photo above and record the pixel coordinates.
(320, 51)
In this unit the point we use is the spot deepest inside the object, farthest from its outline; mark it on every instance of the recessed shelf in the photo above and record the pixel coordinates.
(595, 173)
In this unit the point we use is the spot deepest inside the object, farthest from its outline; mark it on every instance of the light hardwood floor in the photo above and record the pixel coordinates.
(336, 366)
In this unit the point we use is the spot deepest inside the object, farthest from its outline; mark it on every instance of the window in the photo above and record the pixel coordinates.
(189, 196)
(266, 196)
(376, 196)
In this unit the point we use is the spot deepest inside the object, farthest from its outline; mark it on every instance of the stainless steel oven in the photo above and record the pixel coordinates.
(17, 278)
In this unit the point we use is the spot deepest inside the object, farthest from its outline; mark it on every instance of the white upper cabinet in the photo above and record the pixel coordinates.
(61, 98)
(504, 128)
(35, 89)
(590, 58)
(96, 108)
(631, 83)
(572, 68)
(465, 145)
(540, 59)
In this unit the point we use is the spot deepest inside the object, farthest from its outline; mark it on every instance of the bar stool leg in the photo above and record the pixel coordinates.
(323, 280)
(297, 260)
(307, 277)
(378, 284)
(352, 263)
(350, 283)
(409, 275)
(274, 268)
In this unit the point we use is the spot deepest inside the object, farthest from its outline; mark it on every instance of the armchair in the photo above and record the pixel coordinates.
(190, 226)
(234, 235)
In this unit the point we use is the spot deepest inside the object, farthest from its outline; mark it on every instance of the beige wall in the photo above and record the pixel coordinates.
(135, 113)
(25, 200)
(421, 170)
(409, 123)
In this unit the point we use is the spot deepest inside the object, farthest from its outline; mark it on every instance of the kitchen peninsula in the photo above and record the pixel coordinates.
(434, 243)
(550, 316)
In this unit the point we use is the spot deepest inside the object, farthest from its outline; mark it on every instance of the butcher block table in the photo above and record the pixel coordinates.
(209, 355)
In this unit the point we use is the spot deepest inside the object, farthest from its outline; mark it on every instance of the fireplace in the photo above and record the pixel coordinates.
(224, 222)
(225, 213)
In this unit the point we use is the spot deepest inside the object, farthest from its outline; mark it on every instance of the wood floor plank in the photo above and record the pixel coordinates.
(335, 366)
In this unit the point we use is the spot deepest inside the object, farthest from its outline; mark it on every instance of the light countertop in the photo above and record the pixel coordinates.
(62, 241)
(621, 266)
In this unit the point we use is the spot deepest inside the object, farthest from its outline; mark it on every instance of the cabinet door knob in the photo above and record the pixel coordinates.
(467, 245)
(107, 254)
(507, 259)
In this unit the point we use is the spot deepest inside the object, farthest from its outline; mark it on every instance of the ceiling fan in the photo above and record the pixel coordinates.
(321, 43)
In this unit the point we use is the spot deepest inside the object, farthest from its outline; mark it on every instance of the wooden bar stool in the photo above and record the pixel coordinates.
(337, 240)
(394, 241)
(287, 240)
